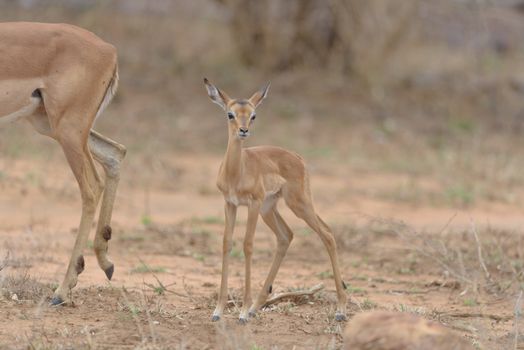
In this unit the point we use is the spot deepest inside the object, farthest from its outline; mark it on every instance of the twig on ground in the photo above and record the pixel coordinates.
(356, 301)
(463, 328)
(294, 295)
(188, 291)
(427, 250)
(5, 262)
(516, 311)
(480, 315)
(163, 288)
(479, 251)
(133, 314)
(450, 220)
(149, 319)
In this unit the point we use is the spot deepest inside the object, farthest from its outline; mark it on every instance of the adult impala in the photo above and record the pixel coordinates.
(258, 177)
(60, 78)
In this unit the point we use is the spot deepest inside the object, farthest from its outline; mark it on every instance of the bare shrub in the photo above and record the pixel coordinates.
(5, 262)
(487, 260)
(354, 35)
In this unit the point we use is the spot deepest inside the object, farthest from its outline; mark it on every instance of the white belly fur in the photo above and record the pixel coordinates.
(237, 201)
(269, 201)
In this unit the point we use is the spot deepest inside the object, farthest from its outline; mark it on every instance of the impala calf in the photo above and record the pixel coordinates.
(258, 177)
(60, 78)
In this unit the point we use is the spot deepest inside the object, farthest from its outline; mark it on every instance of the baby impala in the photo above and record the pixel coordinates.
(258, 177)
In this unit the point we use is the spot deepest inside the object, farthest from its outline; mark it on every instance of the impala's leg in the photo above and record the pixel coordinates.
(79, 158)
(252, 218)
(284, 237)
(231, 214)
(302, 206)
(110, 154)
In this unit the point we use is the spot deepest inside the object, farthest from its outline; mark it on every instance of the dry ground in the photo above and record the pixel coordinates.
(166, 249)
(405, 177)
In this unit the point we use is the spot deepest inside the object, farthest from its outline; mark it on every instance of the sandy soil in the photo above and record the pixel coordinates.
(169, 232)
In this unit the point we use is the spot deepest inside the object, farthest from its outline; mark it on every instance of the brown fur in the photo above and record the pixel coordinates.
(258, 177)
(384, 330)
(59, 77)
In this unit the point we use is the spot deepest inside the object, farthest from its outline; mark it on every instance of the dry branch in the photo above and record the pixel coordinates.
(426, 248)
(294, 295)
(4, 263)
(518, 306)
(164, 288)
(479, 251)
(494, 317)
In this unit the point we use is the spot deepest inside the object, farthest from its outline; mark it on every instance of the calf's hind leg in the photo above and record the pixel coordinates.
(302, 206)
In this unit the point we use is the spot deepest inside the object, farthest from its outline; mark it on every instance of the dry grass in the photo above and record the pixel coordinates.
(480, 267)
(416, 264)
(23, 287)
(443, 120)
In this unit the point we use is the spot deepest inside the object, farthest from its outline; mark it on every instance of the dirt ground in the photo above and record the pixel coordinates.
(166, 249)
(419, 174)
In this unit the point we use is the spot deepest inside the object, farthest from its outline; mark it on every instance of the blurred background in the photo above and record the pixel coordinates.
(430, 92)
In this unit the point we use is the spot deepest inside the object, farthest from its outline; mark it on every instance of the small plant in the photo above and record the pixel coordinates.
(199, 257)
(131, 238)
(355, 290)
(236, 253)
(368, 304)
(405, 271)
(470, 302)
(53, 286)
(305, 231)
(159, 288)
(201, 232)
(462, 125)
(135, 310)
(325, 275)
(144, 268)
(410, 309)
(209, 220)
(146, 220)
(401, 308)
(460, 194)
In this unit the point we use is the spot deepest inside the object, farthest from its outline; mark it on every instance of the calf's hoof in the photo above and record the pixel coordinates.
(339, 317)
(57, 301)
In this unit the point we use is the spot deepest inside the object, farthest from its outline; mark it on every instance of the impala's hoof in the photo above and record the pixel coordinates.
(242, 320)
(252, 314)
(56, 301)
(215, 318)
(109, 271)
(339, 317)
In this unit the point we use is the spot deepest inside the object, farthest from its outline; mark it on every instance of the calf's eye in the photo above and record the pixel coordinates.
(230, 115)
